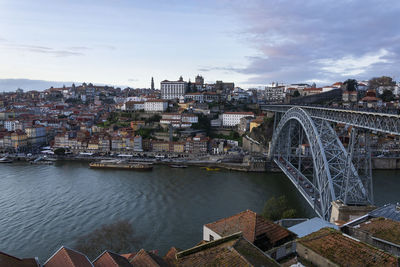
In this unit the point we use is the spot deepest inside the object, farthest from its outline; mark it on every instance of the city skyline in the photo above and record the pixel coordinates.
(127, 42)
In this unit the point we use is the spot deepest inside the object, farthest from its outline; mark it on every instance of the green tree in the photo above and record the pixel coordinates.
(387, 95)
(117, 237)
(296, 93)
(278, 208)
(350, 85)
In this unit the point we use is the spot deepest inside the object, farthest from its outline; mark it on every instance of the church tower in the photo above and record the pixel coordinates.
(152, 83)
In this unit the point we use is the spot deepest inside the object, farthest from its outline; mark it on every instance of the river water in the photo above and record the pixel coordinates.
(44, 207)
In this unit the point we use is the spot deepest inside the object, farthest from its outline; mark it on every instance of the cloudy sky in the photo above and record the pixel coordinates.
(249, 42)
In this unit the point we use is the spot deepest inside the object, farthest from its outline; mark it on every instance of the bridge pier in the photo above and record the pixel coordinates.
(343, 213)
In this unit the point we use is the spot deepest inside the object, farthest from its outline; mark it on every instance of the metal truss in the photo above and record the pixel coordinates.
(374, 121)
(332, 174)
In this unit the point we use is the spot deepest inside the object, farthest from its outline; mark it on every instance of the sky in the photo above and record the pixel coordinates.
(251, 43)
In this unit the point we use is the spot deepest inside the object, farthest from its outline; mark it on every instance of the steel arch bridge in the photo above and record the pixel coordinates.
(307, 149)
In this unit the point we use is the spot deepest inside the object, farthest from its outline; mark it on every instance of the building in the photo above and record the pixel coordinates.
(231, 119)
(274, 93)
(66, 257)
(257, 230)
(173, 89)
(111, 259)
(137, 143)
(232, 250)
(8, 260)
(155, 105)
(329, 247)
(379, 228)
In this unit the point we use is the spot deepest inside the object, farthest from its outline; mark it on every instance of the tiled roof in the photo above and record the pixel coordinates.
(382, 228)
(147, 259)
(110, 259)
(233, 250)
(344, 251)
(8, 260)
(251, 225)
(66, 257)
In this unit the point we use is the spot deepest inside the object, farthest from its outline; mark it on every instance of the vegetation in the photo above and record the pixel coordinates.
(144, 132)
(387, 96)
(376, 82)
(278, 208)
(203, 124)
(296, 93)
(117, 237)
(350, 85)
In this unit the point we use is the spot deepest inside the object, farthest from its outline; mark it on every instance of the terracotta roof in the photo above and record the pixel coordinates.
(170, 257)
(251, 225)
(148, 259)
(233, 250)
(344, 251)
(110, 259)
(8, 260)
(66, 257)
(383, 228)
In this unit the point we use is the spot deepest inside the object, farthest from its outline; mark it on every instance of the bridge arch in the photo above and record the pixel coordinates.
(332, 176)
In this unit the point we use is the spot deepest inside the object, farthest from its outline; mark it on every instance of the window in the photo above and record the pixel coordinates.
(211, 238)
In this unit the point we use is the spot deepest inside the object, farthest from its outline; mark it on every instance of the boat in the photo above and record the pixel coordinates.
(42, 162)
(177, 166)
(212, 169)
(6, 160)
(112, 164)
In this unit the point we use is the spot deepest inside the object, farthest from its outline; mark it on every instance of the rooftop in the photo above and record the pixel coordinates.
(345, 251)
(110, 259)
(389, 211)
(251, 225)
(310, 226)
(233, 250)
(382, 228)
(8, 260)
(66, 257)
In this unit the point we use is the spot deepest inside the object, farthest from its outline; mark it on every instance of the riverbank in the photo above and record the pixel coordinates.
(378, 163)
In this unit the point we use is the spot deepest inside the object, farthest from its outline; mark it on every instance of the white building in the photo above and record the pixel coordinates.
(230, 119)
(137, 143)
(155, 105)
(274, 94)
(173, 89)
(13, 125)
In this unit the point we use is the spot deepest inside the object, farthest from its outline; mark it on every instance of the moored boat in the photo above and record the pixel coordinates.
(177, 166)
(6, 160)
(121, 165)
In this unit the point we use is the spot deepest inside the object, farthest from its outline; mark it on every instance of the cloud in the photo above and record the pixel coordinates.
(132, 80)
(44, 50)
(350, 65)
(321, 40)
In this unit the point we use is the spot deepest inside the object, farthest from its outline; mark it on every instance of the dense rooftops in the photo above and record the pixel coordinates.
(345, 251)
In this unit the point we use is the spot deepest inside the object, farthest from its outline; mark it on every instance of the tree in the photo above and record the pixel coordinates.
(278, 208)
(350, 85)
(59, 151)
(377, 82)
(387, 95)
(296, 93)
(117, 237)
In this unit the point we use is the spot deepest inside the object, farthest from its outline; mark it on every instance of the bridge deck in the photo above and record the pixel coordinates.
(375, 121)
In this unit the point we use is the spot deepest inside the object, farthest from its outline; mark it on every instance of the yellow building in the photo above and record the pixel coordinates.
(178, 147)
(160, 146)
(256, 122)
(19, 140)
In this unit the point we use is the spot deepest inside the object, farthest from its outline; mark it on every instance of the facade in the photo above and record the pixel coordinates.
(274, 94)
(155, 105)
(231, 119)
(173, 89)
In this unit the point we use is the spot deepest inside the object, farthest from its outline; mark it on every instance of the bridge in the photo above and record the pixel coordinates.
(306, 147)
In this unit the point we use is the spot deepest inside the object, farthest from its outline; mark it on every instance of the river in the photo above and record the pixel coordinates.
(44, 207)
